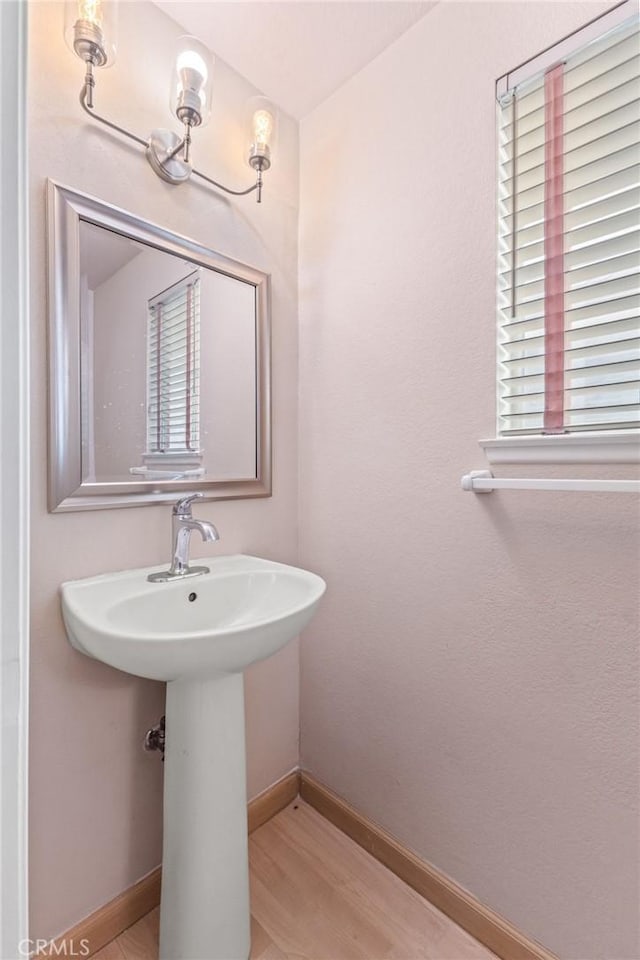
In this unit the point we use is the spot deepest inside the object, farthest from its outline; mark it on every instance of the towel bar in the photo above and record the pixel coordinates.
(483, 481)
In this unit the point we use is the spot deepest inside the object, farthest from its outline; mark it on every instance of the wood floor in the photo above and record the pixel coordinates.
(316, 895)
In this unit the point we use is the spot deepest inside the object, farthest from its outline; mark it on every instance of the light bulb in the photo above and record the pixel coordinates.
(261, 123)
(190, 98)
(192, 76)
(192, 67)
(91, 11)
(262, 128)
(90, 30)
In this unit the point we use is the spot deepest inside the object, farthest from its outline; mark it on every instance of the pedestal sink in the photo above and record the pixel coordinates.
(198, 635)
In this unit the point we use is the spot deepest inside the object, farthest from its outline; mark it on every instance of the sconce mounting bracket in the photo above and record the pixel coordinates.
(161, 151)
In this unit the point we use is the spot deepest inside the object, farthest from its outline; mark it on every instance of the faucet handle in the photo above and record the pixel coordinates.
(182, 507)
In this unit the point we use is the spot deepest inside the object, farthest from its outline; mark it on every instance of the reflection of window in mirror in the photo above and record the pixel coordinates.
(173, 377)
(168, 365)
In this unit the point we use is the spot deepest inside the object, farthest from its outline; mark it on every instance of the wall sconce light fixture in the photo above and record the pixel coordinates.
(90, 32)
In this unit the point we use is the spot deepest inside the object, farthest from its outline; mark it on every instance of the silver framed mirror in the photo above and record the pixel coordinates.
(159, 363)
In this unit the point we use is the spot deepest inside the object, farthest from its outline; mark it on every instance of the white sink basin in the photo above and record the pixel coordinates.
(242, 611)
(197, 634)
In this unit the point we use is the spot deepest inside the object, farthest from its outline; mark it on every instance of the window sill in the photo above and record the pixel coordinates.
(191, 458)
(597, 447)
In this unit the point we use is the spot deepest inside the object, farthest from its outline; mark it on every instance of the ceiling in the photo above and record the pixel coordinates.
(104, 253)
(296, 52)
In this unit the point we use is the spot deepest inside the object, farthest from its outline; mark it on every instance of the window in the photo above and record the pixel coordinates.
(569, 239)
(173, 370)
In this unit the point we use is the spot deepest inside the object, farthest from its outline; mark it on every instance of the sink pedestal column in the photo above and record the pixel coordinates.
(204, 913)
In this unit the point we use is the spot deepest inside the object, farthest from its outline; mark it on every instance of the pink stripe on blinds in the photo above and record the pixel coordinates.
(158, 371)
(554, 252)
(187, 429)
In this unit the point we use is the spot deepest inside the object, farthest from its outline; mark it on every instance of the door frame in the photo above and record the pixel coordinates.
(14, 481)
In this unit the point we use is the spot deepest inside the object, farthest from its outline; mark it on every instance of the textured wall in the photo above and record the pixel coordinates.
(95, 796)
(119, 359)
(470, 681)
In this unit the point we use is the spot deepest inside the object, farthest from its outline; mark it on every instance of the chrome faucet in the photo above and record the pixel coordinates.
(182, 526)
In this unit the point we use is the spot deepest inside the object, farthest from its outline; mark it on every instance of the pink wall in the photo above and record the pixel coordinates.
(95, 796)
(470, 681)
(119, 358)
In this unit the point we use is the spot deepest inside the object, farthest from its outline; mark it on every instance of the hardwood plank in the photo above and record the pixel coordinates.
(311, 834)
(271, 953)
(140, 942)
(260, 940)
(383, 914)
(262, 946)
(112, 951)
(486, 926)
(301, 910)
(414, 927)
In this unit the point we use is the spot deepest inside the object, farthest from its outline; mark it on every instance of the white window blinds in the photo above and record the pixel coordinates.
(569, 242)
(173, 369)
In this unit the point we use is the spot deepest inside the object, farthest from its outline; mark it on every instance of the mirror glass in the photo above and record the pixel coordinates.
(159, 363)
(168, 365)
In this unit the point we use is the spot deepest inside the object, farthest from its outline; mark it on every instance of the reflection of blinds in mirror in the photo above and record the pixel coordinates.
(173, 369)
(569, 242)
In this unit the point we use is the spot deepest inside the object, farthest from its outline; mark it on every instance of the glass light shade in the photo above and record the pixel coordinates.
(192, 82)
(91, 30)
(262, 127)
